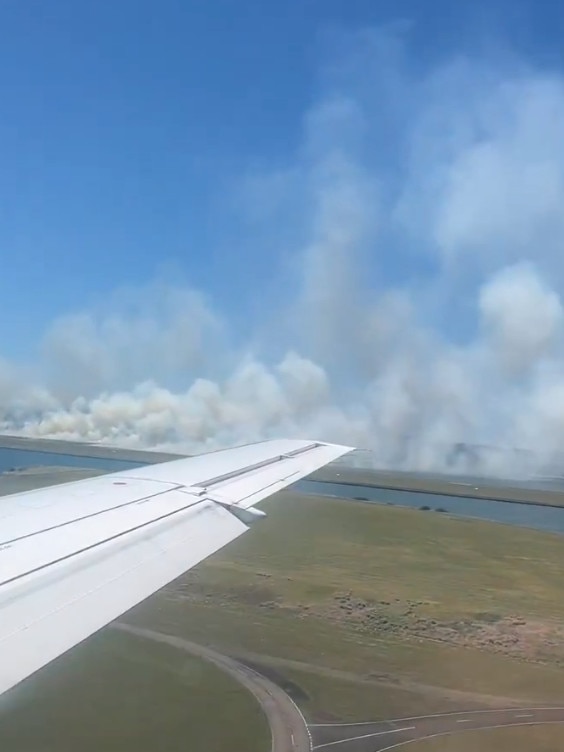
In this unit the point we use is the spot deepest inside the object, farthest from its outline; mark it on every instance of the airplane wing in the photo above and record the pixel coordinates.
(76, 556)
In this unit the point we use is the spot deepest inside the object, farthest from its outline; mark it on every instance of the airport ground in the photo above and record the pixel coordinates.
(359, 612)
(448, 485)
(368, 613)
(118, 693)
(444, 485)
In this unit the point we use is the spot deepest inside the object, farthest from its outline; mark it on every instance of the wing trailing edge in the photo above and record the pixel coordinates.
(74, 557)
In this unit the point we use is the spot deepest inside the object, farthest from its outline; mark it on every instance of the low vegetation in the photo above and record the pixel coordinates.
(360, 611)
(120, 693)
(376, 611)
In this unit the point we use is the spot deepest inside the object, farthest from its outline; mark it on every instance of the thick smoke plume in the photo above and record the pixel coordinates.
(426, 218)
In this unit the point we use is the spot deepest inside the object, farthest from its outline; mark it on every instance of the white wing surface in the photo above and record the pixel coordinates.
(74, 557)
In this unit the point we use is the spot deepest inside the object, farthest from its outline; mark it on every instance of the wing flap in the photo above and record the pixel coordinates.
(251, 486)
(76, 556)
(39, 550)
(46, 612)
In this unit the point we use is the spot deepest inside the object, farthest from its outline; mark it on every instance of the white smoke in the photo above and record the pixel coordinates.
(139, 334)
(522, 315)
(426, 314)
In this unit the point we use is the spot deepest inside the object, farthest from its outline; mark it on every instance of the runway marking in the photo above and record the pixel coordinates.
(364, 736)
(470, 730)
(524, 715)
(463, 720)
(306, 724)
(433, 715)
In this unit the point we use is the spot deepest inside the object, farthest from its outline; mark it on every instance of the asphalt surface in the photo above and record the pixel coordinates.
(288, 727)
(387, 735)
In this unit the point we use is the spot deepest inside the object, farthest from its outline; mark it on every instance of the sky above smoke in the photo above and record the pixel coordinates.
(421, 235)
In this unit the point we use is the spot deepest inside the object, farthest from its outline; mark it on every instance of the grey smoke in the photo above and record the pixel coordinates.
(427, 311)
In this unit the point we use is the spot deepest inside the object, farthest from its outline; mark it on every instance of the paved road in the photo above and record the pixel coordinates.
(388, 735)
(287, 724)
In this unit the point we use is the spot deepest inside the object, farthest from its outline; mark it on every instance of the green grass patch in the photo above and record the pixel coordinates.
(331, 698)
(438, 606)
(121, 693)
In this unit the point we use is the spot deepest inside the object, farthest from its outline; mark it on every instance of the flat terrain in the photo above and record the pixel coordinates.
(83, 449)
(474, 488)
(39, 477)
(519, 739)
(359, 612)
(289, 731)
(121, 693)
(479, 488)
(367, 612)
(449, 727)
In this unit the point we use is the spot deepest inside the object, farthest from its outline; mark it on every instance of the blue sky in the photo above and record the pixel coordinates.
(222, 221)
(126, 125)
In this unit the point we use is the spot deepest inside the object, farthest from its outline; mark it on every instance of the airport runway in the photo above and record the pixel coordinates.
(388, 735)
(288, 727)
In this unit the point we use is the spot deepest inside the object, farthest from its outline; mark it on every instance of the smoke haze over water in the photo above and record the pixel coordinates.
(427, 304)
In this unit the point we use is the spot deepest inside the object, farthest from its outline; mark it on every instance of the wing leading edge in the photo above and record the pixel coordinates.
(76, 556)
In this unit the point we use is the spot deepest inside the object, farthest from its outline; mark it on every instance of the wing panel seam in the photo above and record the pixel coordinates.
(257, 465)
(95, 545)
(80, 596)
(89, 516)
